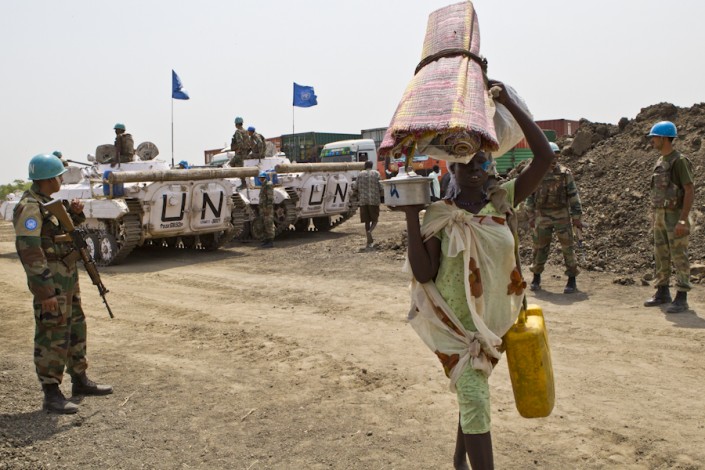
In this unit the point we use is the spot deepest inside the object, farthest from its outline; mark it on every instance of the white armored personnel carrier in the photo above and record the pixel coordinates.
(145, 202)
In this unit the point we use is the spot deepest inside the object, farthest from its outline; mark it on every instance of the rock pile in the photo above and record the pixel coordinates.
(612, 165)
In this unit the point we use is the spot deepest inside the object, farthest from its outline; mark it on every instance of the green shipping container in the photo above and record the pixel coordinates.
(306, 147)
(511, 159)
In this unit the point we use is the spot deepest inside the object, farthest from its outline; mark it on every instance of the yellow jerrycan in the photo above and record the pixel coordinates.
(529, 362)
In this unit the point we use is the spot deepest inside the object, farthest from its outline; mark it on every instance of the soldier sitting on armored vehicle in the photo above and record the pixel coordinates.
(124, 145)
(257, 144)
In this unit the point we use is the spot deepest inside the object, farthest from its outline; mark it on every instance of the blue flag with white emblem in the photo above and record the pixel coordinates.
(304, 96)
(176, 88)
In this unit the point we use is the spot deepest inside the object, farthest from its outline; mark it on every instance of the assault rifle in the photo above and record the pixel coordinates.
(57, 209)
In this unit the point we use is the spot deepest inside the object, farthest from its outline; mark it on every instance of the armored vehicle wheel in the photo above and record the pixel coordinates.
(322, 223)
(284, 216)
(172, 242)
(301, 225)
(92, 245)
(257, 229)
(107, 249)
(213, 241)
(189, 242)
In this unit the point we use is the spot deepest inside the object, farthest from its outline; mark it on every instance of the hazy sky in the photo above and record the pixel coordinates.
(70, 70)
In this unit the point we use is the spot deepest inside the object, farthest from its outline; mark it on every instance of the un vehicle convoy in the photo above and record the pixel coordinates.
(144, 202)
(307, 196)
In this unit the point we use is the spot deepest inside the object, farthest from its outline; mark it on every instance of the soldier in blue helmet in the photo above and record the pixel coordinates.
(672, 194)
(240, 144)
(555, 207)
(266, 210)
(50, 264)
(183, 165)
(257, 145)
(124, 144)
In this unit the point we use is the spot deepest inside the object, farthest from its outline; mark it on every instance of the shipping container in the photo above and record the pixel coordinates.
(511, 159)
(306, 147)
(562, 127)
(376, 134)
(277, 141)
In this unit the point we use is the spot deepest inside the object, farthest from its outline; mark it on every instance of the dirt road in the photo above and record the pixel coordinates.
(300, 358)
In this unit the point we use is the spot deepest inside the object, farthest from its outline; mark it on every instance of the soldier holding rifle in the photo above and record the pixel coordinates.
(49, 256)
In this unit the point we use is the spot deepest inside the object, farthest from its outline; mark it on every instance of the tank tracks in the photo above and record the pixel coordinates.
(127, 232)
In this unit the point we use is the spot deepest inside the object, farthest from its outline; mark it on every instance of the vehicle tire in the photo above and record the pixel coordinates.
(107, 249)
(189, 242)
(322, 223)
(301, 225)
(92, 245)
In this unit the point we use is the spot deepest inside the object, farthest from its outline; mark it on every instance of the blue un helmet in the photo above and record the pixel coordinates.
(263, 174)
(184, 164)
(239, 120)
(663, 129)
(44, 167)
(120, 126)
(555, 147)
(57, 153)
(250, 129)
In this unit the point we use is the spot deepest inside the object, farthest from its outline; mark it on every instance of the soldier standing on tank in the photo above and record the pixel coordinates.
(672, 198)
(257, 144)
(555, 207)
(50, 264)
(124, 145)
(266, 210)
(240, 144)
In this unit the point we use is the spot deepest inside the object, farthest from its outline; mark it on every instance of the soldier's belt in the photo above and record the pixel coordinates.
(63, 238)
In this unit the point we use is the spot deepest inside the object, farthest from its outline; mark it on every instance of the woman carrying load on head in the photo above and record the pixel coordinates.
(466, 283)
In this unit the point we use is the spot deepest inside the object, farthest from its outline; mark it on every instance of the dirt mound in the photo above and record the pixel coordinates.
(612, 166)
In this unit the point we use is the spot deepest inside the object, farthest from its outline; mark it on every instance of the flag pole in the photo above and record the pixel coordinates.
(172, 132)
(293, 131)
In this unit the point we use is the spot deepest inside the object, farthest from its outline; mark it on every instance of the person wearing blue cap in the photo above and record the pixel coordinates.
(124, 145)
(257, 145)
(183, 165)
(266, 210)
(672, 195)
(49, 259)
(240, 144)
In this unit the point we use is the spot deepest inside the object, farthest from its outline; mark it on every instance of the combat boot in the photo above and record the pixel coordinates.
(536, 282)
(82, 385)
(267, 243)
(680, 303)
(570, 286)
(662, 296)
(56, 402)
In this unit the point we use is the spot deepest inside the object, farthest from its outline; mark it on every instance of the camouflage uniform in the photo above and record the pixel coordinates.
(240, 144)
(124, 147)
(266, 209)
(671, 173)
(257, 145)
(60, 337)
(552, 207)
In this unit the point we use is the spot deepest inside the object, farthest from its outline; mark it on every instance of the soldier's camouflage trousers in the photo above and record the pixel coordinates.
(669, 248)
(542, 237)
(268, 224)
(60, 337)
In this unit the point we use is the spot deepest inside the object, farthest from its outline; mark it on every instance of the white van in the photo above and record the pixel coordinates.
(357, 150)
